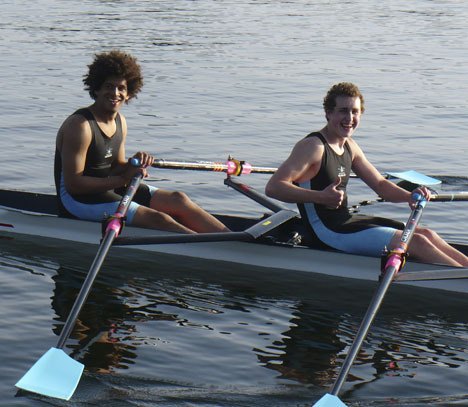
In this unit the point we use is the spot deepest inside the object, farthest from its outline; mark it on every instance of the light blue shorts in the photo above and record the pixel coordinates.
(369, 241)
(99, 211)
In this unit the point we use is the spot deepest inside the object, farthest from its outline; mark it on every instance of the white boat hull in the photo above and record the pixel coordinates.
(297, 258)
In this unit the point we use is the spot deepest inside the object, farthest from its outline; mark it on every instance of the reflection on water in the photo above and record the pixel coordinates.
(308, 350)
(99, 326)
(193, 327)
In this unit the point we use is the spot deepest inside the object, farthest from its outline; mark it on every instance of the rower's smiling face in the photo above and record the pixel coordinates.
(344, 119)
(112, 94)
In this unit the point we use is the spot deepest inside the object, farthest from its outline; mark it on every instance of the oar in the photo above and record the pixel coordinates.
(231, 166)
(395, 262)
(253, 194)
(248, 235)
(237, 167)
(56, 374)
(427, 275)
(415, 178)
(450, 197)
(461, 196)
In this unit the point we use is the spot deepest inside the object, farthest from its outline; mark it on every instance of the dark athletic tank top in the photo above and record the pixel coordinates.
(101, 154)
(333, 165)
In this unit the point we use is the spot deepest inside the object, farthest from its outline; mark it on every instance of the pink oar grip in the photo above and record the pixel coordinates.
(115, 224)
(394, 260)
(246, 168)
(231, 167)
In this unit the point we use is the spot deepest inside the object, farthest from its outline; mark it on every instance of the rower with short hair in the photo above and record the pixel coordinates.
(315, 176)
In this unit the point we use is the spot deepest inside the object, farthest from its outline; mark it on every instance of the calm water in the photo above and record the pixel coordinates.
(244, 78)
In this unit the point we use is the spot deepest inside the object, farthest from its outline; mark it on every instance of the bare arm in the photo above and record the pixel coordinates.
(374, 179)
(303, 164)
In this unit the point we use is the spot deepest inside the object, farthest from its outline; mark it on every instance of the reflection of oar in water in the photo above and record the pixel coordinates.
(56, 374)
(395, 262)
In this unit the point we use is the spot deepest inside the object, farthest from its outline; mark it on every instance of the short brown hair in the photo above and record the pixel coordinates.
(341, 89)
(114, 63)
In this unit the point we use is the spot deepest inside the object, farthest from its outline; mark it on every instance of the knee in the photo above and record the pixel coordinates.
(180, 198)
(428, 234)
(420, 240)
(178, 203)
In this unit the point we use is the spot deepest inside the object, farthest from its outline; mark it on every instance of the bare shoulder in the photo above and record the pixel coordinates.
(308, 145)
(74, 121)
(307, 151)
(356, 151)
(123, 120)
(310, 141)
(75, 129)
(303, 162)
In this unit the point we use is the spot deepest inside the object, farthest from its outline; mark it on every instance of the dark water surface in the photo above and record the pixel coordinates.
(245, 78)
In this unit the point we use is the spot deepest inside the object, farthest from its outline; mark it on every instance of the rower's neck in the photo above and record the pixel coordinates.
(101, 116)
(336, 142)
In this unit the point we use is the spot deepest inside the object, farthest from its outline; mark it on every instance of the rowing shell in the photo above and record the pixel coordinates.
(24, 213)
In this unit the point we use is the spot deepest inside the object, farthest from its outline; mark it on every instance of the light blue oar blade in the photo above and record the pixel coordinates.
(55, 374)
(329, 401)
(415, 178)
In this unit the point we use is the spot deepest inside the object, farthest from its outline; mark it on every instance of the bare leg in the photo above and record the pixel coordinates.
(186, 212)
(423, 249)
(444, 247)
(152, 219)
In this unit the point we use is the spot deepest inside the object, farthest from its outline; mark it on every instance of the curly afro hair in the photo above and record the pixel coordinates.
(117, 64)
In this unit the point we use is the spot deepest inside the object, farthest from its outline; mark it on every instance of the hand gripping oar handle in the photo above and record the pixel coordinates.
(393, 264)
(230, 167)
(112, 230)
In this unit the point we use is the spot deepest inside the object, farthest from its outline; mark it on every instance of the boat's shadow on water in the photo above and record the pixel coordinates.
(168, 330)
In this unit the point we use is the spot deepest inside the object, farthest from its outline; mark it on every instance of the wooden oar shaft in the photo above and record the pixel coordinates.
(112, 231)
(231, 167)
(391, 269)
(450, 197)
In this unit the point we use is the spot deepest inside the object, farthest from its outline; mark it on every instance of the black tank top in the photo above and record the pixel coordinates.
(333, 165)
(101, 154)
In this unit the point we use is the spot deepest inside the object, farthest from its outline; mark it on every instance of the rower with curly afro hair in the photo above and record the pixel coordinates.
(114, 63)
(91, 167)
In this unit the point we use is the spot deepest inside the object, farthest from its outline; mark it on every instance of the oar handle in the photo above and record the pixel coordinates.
(231, 166)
